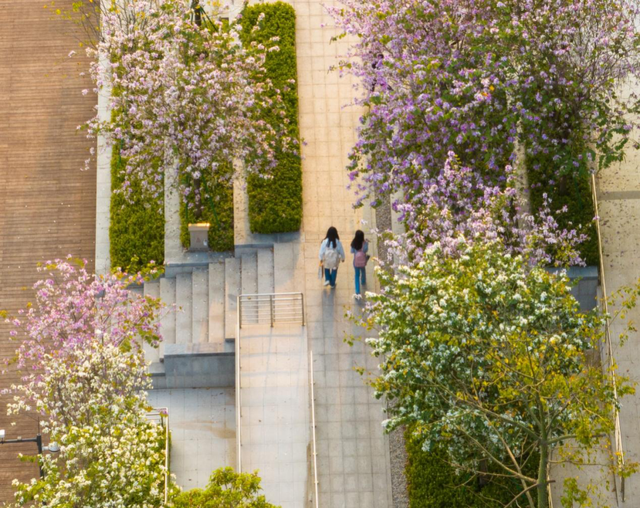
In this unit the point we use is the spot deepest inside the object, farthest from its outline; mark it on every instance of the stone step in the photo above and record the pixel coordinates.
(216, 303)
(249, 278)
(265, 271)
(284, 260)
(168, 321)
(152, 289)
(200, 305)
(184, 295)
(249, 273)
(231, 290)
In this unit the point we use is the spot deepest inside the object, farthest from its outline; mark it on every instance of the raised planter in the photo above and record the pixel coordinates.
(199, 234)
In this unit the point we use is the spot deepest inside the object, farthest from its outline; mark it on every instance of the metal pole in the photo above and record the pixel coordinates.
(238, 397)
(619, 448)
(272, 310)
(37, 440)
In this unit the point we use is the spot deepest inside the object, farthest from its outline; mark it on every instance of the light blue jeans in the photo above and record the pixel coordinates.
(361, 275)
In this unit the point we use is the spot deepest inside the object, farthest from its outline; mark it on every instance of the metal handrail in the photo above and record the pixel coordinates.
(313, 431)
(238, 392)
(619, 448)
(280, 307)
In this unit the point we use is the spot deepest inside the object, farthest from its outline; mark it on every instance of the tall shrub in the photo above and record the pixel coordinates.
(275, 203)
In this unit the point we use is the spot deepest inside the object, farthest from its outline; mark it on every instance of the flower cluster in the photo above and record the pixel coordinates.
(86, 377)
(480, 77)
(72, 307)
(485, 355)
(460, 203)
(188, 96)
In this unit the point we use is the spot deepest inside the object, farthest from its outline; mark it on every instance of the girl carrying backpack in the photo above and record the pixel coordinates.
(331, 253)
(359, 248)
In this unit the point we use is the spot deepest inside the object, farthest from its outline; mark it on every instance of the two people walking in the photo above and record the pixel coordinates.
(332, 254)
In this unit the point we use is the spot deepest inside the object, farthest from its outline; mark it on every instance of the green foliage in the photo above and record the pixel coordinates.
(217, 210)
(226, 489)
(469, 344)
(433, 483)
(275, 203)
(136, 230)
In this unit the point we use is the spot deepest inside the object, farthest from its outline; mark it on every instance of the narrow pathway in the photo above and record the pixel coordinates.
(47, 204)
(619, 197)
(275, 424)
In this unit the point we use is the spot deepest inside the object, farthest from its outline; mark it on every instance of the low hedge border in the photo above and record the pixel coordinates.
(275, 204)
(136, 227)
(217, 211)
(433, 483)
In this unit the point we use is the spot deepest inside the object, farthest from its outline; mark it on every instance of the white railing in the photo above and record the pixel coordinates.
(238, 397)
(618, 445)
(271, 308)
(314, 452)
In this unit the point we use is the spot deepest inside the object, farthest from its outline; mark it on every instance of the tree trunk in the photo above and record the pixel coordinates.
(543, 499)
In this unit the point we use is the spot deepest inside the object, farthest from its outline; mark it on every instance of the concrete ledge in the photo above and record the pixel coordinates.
(194, 366)
(586, 289)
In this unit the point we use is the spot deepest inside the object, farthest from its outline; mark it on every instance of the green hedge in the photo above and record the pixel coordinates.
(136, 229)
(217, 211)
(433, 482)
(275, 205)
(572, 189)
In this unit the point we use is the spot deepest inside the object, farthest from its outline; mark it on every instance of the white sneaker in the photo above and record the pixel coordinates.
(326, 282)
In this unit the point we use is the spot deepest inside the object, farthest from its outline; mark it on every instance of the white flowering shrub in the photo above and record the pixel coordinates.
(484, 355)
(110, 454)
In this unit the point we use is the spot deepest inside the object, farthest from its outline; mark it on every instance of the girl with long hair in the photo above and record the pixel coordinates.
(331, 254)
(359, 248)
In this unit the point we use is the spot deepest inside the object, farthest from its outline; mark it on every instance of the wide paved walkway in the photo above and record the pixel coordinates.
(47, 204)
(353, 462)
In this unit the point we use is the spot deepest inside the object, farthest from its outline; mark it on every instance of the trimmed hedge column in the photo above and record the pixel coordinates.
(136, 230)
(275, 204)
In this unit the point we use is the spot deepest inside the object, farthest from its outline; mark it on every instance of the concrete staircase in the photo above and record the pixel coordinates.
(205, 297)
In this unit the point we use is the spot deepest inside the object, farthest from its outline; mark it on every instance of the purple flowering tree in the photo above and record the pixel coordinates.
(481, 78)
(461, 203)
(187, 94)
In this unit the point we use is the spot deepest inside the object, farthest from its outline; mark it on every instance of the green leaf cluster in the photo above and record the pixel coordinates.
(432, 482)
(136, 230)
(275, 203)
(226, 489)
(565, 188)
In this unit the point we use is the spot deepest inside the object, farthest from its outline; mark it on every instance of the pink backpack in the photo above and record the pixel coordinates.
(360, 259)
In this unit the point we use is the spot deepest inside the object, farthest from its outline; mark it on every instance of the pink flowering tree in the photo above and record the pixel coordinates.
(187, 95)
(85, 376)
(481, 78)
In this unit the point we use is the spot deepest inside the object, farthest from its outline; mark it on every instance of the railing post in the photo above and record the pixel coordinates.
(271, 303)
(239, 312)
